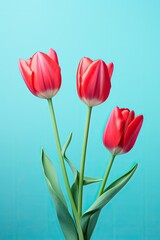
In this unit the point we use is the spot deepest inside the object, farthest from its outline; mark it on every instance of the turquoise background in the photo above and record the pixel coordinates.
(125, 32)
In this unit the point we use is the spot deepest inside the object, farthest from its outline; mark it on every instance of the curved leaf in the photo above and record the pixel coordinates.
(64, 217)
(101, 201)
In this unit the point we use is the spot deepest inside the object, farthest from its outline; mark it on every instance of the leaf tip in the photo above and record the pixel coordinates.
(42, 155)
(135, 166)
(70, 136)
(66, 144)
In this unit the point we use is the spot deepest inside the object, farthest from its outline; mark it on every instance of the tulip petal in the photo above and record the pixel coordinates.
(128, 117)
(83, 65)
(53, 55)
(44, 79)
(125, 113)
(95, 84)
(110, 69)
(114, 130)
(132, 133)
(28, 61)
(27, 74)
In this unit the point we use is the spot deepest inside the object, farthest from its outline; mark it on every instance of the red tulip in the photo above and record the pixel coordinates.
(93, 81)
(122, 130)
(42, 74)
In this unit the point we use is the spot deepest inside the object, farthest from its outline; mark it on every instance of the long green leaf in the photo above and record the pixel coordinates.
(66, 222)
(101, 201)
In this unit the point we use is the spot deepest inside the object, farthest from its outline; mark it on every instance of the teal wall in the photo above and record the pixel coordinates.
(125, 32)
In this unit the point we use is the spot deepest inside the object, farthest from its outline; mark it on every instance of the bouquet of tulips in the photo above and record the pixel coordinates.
(42, 75)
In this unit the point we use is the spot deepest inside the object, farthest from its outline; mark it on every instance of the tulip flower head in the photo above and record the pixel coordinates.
(122, 130)
(93, 81)
(42, 74)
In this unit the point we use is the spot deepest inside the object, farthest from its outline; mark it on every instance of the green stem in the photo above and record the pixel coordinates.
(106, 175)
(84, 149)
(64, 172)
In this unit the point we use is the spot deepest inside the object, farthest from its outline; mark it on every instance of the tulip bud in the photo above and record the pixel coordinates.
(42, 74)
(122, 130)
(93, 81)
